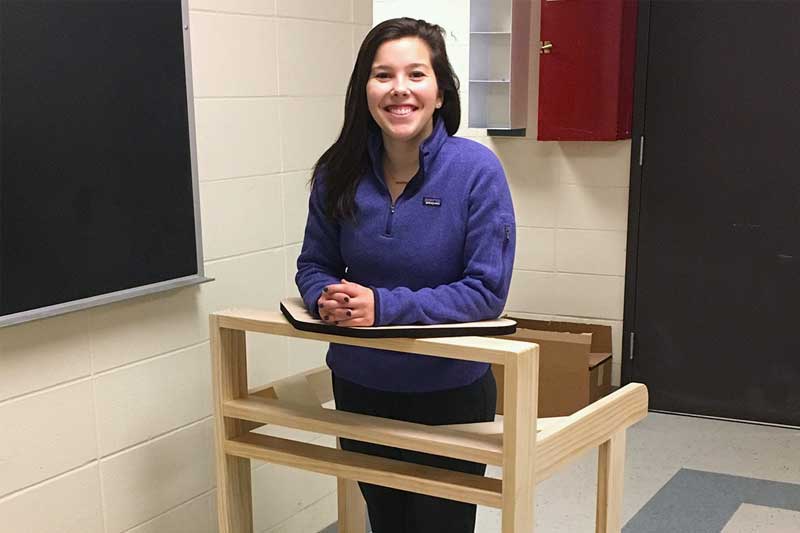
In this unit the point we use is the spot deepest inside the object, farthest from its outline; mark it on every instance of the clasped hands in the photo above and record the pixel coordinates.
(347, 304)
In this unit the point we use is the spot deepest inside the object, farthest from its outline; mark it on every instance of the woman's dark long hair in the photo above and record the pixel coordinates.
(347, 159)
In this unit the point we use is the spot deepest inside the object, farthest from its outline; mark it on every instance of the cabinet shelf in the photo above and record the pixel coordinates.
(491, 15)
(489, 105)
(499, 45)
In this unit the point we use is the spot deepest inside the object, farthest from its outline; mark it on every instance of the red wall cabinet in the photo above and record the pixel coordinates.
(586, 69)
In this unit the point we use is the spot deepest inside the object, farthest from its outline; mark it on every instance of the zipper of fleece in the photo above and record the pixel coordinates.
(393, 205)
(392, 209)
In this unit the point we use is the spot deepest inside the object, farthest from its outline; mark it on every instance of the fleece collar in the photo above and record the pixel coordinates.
(428, 150)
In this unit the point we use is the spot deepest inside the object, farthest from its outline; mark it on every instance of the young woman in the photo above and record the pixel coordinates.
(407, 225)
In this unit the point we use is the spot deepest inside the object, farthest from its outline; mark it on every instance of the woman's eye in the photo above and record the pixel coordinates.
(382, 75)
(417, 74)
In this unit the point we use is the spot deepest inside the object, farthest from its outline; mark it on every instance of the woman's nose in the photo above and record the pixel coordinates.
(400, 87)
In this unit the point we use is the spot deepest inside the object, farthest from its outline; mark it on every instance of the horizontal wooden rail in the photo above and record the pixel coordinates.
(369, 468)
(407, 435)
(482, 349)
(589, 427)
(559, 441)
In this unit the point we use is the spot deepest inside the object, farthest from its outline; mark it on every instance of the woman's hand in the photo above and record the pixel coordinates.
(347, 304)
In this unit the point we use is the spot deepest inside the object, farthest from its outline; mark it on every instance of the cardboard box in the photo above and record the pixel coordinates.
(574, 363)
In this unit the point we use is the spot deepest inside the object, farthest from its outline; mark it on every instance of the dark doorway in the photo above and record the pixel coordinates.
(712, 303)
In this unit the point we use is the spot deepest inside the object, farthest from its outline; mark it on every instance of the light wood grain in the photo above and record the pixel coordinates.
(369, 468)
(408, 435)
(589, 427)
(610, 478)
(496, 428)
(229, 369)
(519, 440)
(352, 508)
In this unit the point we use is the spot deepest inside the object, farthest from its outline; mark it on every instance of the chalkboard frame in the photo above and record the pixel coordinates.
(167, 285)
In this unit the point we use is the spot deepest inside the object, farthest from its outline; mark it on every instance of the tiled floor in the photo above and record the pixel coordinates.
(708, 502)
(753, 518)
(673, 482)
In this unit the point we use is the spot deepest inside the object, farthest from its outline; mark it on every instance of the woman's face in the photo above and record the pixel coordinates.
(402, 92)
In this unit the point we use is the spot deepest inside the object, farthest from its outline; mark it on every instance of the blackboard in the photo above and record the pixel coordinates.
(98, 185)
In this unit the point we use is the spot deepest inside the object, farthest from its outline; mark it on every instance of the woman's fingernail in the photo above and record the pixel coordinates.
(346, 299)
(349, 313)
(325, 289)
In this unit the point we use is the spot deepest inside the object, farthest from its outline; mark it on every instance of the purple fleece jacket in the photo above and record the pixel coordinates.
(443, 253)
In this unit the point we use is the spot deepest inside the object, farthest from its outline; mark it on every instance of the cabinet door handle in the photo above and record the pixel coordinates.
(545, 47)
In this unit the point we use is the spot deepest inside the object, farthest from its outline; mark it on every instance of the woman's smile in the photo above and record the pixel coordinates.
(400, 110)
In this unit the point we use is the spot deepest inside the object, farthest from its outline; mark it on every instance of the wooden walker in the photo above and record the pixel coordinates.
(527, 449)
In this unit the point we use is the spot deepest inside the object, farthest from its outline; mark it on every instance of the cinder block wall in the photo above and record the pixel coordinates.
(571, 198)
(105, 414)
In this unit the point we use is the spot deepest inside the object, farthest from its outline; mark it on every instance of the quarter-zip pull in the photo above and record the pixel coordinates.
(392, 208)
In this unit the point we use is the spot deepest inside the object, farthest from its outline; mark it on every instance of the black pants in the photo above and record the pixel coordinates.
(396, 511)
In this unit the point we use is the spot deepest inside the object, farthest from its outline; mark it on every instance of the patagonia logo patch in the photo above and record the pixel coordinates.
(434, 202)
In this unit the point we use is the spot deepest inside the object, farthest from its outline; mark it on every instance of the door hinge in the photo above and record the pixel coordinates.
(630, 345)
(641, 150)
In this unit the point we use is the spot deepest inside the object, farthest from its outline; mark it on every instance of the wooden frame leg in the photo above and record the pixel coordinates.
(229, 369)
(519, 453)
(610, 476)
(234, 500)
(352, 507)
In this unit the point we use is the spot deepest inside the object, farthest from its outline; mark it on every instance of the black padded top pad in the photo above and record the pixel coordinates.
(298, 316)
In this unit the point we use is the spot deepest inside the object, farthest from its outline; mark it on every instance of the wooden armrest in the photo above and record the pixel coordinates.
(482, 349)
(588, 428)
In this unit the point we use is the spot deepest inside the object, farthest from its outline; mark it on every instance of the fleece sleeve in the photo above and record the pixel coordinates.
(320, 262)
(488, 262)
